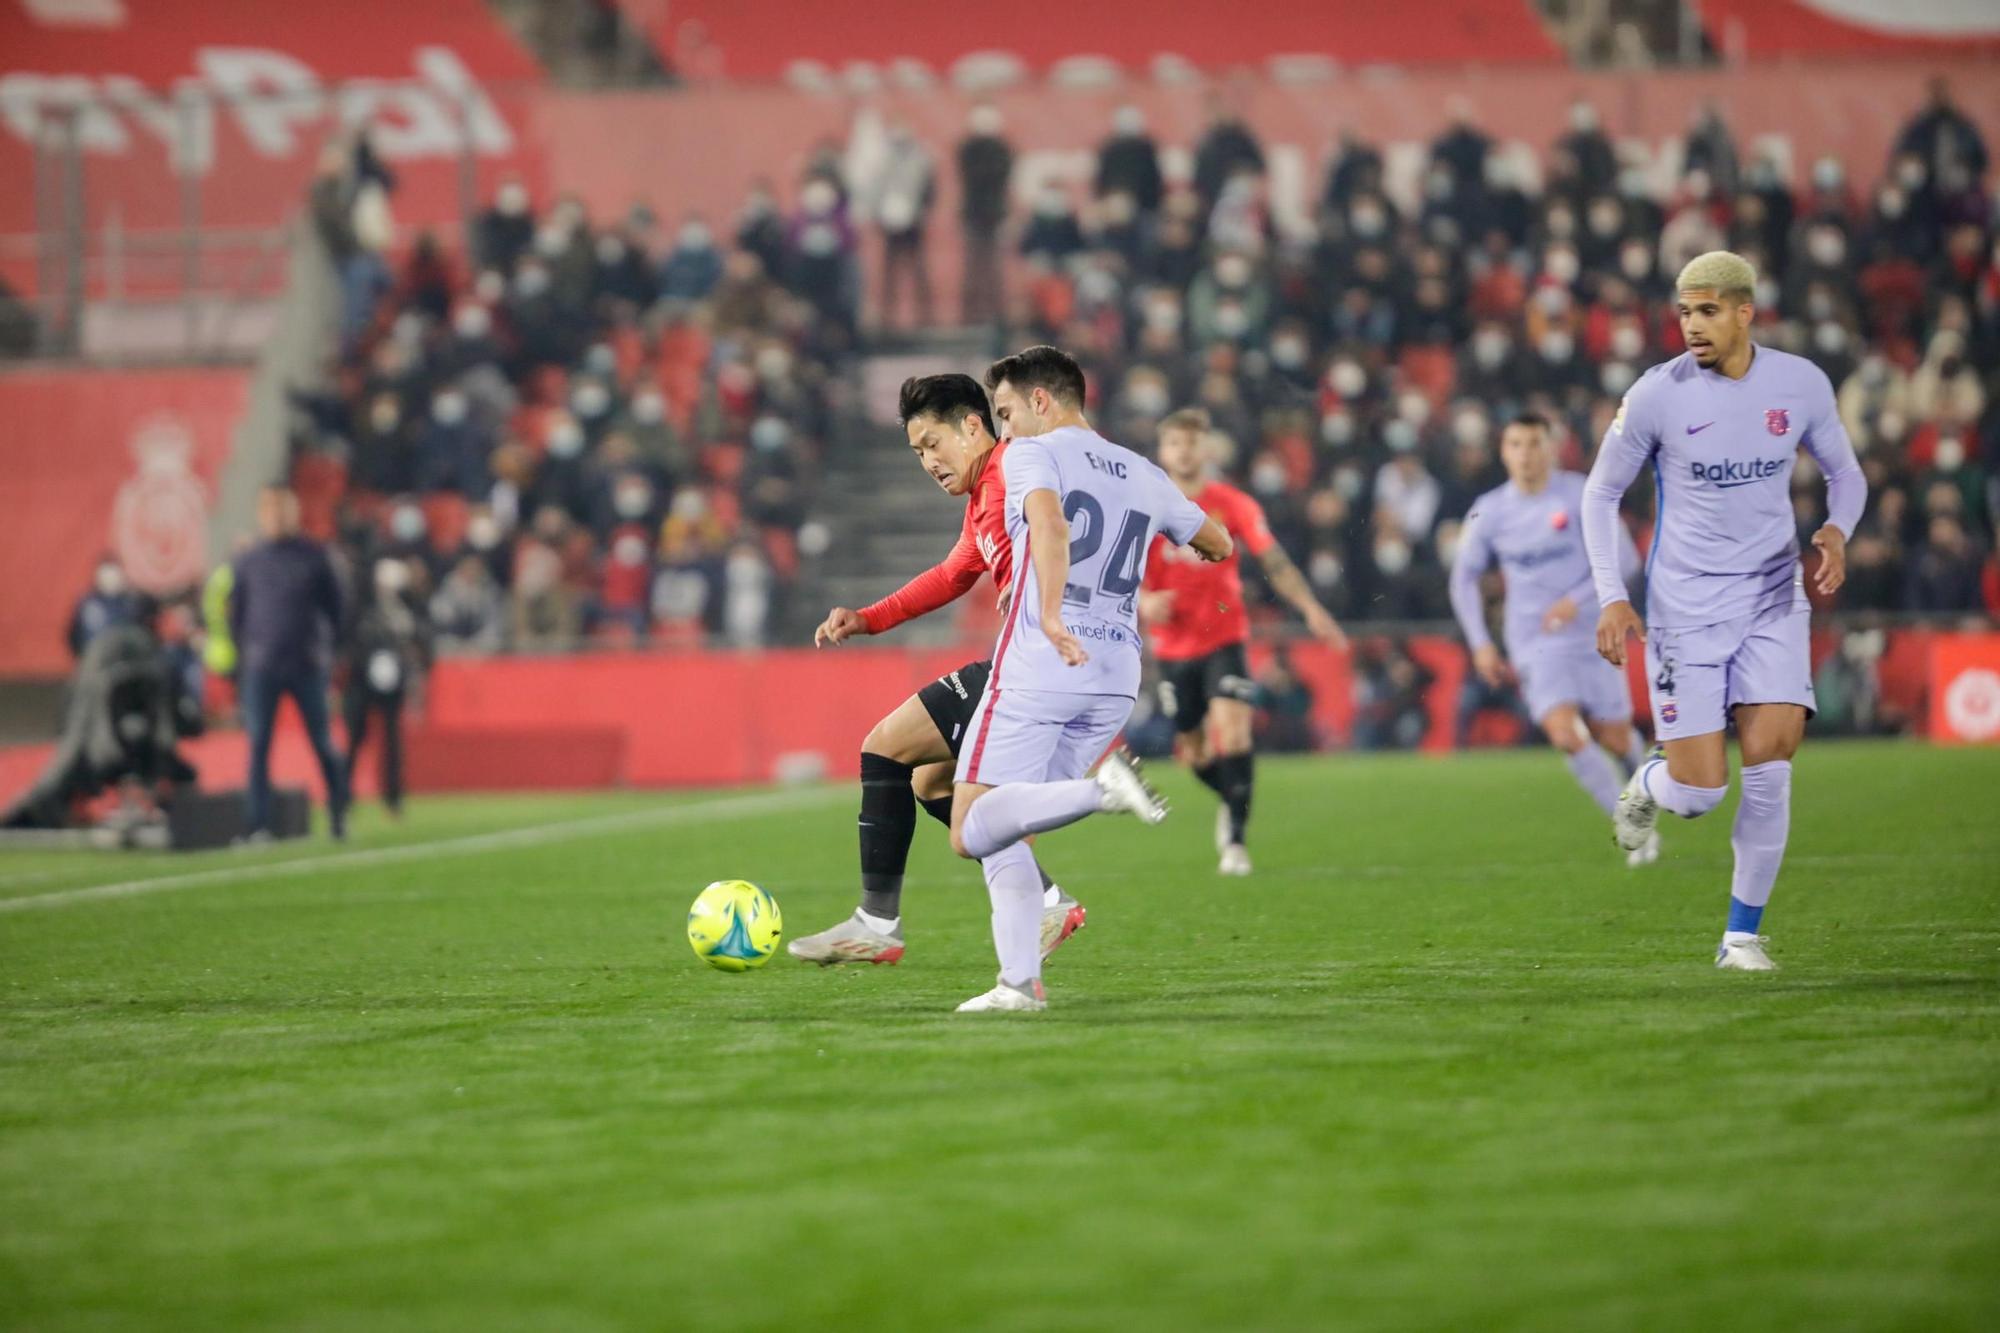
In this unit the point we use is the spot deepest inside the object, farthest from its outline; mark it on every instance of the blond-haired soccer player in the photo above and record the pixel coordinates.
(1726, 612)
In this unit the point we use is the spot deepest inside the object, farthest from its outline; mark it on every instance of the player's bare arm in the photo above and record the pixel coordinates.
(1490, 665)
(1212, 543)
(1048, 545)
(1290, 584)
(1831, 543)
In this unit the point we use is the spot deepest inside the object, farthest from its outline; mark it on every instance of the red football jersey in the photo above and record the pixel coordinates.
(1208, 611)
(982, 546)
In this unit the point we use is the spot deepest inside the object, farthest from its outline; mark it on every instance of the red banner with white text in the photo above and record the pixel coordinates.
(236, 98)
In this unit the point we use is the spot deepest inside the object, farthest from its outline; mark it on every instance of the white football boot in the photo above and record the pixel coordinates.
(1744, 953)
(1005, 999)
(1125, 789)
(1632, 822)
(1235, 860)
(1060, 920)
(1646, 853)
(852, 941)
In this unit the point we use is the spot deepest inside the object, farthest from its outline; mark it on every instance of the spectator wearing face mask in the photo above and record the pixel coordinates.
(468, 611)
(561, 480)
(1053, 233)
(1228, 146)
(1945, 384)
(453, 446)
(1228, 302)
(1822, 263)
(503, 233)
(1489, 367)
(692, 269)
(1406, 494)
(388, 648)
(109, 602)
(1128, 162)
(1710, 148)
(985, 181)
(1942, 138)
(1504, 205)
(760, 226)
(821, 252)
(1589, 152)
(904, 189)
(1944, 571)
(624, 269)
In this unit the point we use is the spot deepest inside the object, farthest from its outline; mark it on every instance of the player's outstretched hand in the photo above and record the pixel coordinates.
(1492, 667)
(1559, 615)
(840, 625)
(1066, 646)
(1832, 545)
(1618, 623)
(1326, 629)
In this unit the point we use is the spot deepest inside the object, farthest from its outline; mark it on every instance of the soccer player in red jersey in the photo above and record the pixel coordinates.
(909, 755)
(1200, 627)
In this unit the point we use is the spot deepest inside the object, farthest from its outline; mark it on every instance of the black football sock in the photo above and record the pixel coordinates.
(1210, 775)
(888, 822)
(1238, 776)
(1047, 882)
(937, 807)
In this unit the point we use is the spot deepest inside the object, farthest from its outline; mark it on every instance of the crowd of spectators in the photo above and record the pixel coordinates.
(1359, 367)
(589, 428)
(582, 429)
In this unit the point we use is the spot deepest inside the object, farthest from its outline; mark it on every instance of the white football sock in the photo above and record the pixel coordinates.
(1015, 887)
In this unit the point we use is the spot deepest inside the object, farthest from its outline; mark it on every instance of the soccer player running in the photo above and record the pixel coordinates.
(1533, 525)
(1081, 515)
(1200, 627)
(950, 428)
(1726, 610)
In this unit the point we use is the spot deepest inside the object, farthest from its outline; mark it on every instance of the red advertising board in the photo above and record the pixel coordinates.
(97, 461)
(1965, 688)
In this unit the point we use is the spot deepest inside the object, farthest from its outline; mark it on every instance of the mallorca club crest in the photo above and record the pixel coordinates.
(1778, 421)
(159, 521)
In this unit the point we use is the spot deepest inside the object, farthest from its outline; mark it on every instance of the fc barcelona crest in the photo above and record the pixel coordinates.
(1670, 713)
(1778, 421)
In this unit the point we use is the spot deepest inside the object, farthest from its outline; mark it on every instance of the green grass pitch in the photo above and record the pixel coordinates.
(1443, 1063)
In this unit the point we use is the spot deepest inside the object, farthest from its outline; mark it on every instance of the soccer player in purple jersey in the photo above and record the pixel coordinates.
(1081, 514)
(1533, 526)
(1726, 609)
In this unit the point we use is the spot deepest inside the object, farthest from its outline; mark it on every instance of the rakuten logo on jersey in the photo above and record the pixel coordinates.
(1731, 472)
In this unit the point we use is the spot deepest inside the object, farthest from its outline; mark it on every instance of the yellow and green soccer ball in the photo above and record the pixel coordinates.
(734, 925)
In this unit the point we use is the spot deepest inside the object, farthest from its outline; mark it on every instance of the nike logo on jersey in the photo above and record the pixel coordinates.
(1696, 430)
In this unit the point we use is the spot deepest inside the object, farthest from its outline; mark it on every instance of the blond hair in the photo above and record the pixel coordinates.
(1727, 274)
(1187, 418)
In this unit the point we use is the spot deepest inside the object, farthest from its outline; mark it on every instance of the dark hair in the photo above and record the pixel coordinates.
(949, 398)
(1534, 419)
(1047, 368)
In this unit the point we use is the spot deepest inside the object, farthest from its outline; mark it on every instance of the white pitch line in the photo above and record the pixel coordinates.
(535, 835)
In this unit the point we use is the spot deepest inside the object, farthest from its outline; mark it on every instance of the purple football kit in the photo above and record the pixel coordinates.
(1538, 541)
(1726, 610)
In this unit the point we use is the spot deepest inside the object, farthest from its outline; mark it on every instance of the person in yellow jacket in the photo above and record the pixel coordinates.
(218, 655)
